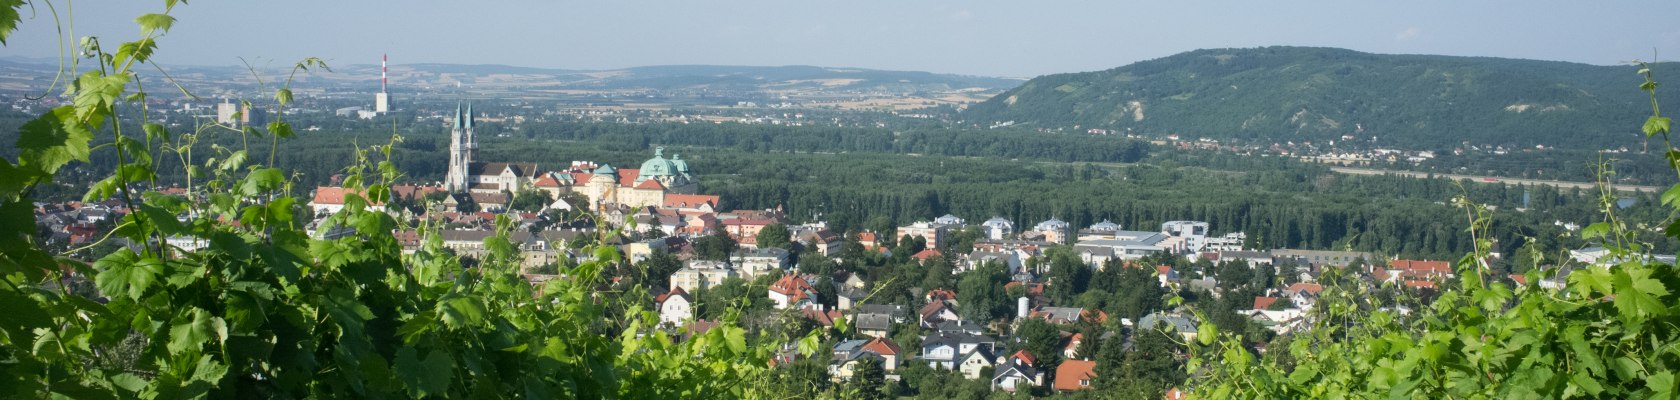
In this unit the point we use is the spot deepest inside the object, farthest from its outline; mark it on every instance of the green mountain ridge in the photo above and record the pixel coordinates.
(1318, 94)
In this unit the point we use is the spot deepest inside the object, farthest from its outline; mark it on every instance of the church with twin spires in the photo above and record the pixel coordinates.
(600, 184)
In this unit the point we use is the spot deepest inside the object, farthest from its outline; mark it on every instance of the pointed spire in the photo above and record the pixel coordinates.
(457, 115)
(469, 115)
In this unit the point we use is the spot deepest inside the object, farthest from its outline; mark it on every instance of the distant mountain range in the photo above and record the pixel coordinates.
(1321, 94)
(665, 78)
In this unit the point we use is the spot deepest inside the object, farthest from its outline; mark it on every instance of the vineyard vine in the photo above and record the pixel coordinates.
(268, 307)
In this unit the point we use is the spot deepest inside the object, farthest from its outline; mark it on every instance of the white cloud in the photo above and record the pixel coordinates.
(1408, 34)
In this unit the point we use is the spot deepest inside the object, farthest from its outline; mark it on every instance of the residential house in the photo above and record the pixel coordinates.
(1166, 274)
(696, 203)
(963, 327)
(923, 256)
(1075, 375)
(1411, 271)
(873, 325)
(848, 353)
(1303, 294)
(1070, 350)
(330, 199)
(823, 242)
(1177, 323)
(745, 230)
(1017, 373)
(702, 273)
(850, 298)
(1010, 260)
(823, 318)
(1095, 256)
(944, 349)
(869, 240)
(793, 291)
(674, 307)
(937, 311)
(755, 262)
(1067, 315)
(1054, 231)
(973, 364)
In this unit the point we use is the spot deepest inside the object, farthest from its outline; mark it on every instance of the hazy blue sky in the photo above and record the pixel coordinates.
(1015, 38)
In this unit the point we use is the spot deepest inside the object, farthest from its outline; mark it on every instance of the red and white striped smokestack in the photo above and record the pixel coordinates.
(383, 81)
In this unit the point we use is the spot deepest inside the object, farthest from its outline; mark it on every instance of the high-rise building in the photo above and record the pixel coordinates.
(226, 112)
(252, 116)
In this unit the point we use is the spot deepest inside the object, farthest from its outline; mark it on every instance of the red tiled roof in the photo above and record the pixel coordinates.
(1073, 341)
(689, 200)
(1024, 356)
(1071, 372)
(943, 294)
(1519, 279)
(547, 181)
(746, 221)
(1310, 288)
(650, 184)
(1263, 302)
(413, 191)
(824, 318)
(866, 236)
(791, 285)
(678, 292)
(627, 177)
(933, 307)
(883, 347)
(926, 254)
(1421, 284)
(335, 195)
(1440, 267)
(1036, 289)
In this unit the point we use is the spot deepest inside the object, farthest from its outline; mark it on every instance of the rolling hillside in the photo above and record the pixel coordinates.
(1295, 93)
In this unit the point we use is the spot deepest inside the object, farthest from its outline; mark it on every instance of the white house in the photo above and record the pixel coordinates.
(674, 307)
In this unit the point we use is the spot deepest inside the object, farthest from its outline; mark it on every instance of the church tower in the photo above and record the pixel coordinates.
(462, 150)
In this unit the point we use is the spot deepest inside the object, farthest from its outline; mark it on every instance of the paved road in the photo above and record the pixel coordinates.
(1486, 179)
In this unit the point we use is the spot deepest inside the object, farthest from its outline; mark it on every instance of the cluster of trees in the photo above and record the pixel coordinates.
(926, 140)
(1279, 203)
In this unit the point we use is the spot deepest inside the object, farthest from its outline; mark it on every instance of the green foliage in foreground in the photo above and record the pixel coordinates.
(1613, 332)
(268, 309)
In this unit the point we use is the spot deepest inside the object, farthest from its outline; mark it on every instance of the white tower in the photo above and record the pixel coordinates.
(382, 101)
(462, 150)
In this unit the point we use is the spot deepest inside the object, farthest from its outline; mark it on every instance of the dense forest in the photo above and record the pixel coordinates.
(873, 179)
(1277, 94)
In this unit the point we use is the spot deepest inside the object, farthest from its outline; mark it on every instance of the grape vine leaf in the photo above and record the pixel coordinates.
(48, 142)
(9, 18)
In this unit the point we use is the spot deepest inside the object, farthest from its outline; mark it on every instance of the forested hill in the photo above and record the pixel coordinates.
(1300, 93)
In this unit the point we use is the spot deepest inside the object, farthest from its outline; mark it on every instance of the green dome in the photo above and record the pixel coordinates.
(657, 166)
